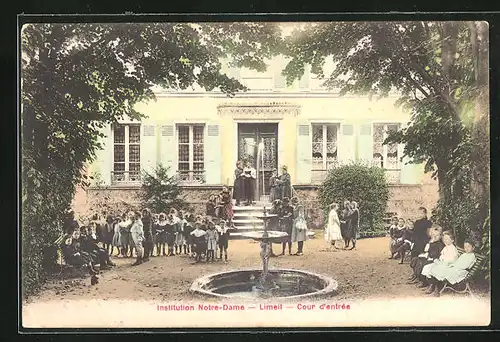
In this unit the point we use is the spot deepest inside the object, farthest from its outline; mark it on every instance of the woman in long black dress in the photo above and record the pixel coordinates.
(354, 223)
(239, 183)
(346, 223)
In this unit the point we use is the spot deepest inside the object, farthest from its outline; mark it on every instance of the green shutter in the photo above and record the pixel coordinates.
(105, 156)
(304, 153)
(168, 148)
(347, 144)
(212, 154)
(148, 147)
(365, 144)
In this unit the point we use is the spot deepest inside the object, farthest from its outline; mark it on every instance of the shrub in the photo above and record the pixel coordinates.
(365, 185)
(161, 192)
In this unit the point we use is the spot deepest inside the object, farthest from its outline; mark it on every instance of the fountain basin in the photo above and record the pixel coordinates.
(291, 284)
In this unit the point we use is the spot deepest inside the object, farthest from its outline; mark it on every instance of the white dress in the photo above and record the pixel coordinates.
(332, 231)
(448, 255)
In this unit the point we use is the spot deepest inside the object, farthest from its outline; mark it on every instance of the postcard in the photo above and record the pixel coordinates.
(254, 174)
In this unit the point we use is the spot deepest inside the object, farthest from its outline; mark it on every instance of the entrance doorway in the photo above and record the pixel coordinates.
(250, 135)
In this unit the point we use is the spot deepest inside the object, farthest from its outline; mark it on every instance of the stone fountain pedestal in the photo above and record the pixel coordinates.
(265, 283)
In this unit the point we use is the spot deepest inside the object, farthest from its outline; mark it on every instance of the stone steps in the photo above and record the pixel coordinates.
(246, 219)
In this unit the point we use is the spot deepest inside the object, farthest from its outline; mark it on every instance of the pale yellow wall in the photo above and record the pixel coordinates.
(202, 109)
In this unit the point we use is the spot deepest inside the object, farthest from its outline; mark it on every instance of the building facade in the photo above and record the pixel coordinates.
(200, 135)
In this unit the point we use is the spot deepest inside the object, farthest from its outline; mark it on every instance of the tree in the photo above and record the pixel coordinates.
(77, 78)
(160, 192)
(439, 74)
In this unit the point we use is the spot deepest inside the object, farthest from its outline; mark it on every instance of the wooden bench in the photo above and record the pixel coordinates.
(480, 259)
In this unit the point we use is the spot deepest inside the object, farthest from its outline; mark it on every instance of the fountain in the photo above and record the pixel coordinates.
(264, 283)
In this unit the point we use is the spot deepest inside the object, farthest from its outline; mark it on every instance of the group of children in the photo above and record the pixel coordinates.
(177, 233)
(434, 257)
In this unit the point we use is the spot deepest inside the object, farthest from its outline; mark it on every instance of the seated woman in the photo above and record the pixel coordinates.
(397, 238)
(448, 255)
(73, 255)
(407, 242)
(432, 251)
(89, 244)
(453, 272)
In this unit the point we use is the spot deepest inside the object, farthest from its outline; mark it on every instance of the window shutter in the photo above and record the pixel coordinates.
(304, 153)
(212, 154)
(347, 144)
(365, 144)
(148, 147)
(105, 156)
(168, 148)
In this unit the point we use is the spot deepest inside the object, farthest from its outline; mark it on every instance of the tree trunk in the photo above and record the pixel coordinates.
(480, 182)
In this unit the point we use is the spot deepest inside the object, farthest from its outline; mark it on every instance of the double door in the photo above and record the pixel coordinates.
(258, 143)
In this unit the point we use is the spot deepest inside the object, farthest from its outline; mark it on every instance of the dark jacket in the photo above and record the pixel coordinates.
(420, 236)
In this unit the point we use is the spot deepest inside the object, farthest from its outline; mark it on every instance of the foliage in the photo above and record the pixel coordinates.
(78, 78)
(160, 191)
(439, 70)
(356, 182)
(43, 202)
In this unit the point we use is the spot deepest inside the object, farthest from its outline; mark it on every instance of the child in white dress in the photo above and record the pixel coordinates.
(332, 231)
(448, 255)
(453, 272)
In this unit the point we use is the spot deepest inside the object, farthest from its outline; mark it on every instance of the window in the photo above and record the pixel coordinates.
(324, 149)
(126, 153)
(386, 156)
(190, 140)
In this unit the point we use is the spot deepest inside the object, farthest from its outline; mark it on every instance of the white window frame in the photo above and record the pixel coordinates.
(126, 172)
(190, 149)
(325, 141)
(384, 147)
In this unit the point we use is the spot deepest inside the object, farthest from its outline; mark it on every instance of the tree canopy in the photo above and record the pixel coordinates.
(439, 70)
(77, 78)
